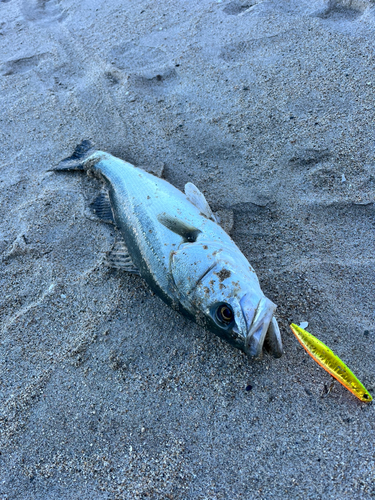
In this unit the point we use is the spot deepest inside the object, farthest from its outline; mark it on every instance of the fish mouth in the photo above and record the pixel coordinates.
(262, 327)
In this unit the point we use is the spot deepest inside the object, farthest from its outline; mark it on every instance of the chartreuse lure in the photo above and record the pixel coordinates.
(328, 360)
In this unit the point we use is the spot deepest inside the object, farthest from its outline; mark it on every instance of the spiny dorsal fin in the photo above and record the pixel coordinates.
(188, 232)
(156, 169)
(101, 208)
(118, 258)
(197, 198)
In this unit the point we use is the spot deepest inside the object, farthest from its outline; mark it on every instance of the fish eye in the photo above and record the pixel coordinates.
(365, 396)
(224, 314)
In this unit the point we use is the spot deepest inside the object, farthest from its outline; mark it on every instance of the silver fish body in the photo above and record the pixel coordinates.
(186, 258)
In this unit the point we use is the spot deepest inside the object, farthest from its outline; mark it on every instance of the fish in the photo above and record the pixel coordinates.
(174, 242)
(328, 360)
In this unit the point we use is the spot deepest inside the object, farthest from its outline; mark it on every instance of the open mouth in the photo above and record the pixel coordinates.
(262, 328)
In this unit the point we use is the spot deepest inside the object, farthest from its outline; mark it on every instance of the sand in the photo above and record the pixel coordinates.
(268, 107)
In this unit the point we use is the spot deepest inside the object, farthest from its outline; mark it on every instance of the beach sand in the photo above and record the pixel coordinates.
(268, 107)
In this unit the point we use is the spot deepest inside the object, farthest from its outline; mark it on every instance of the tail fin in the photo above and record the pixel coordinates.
(76, 161)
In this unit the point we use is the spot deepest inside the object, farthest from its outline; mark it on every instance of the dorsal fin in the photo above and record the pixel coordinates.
(188, 232)
(197, 198)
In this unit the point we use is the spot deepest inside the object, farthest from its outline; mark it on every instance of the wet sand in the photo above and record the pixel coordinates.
(268, 107)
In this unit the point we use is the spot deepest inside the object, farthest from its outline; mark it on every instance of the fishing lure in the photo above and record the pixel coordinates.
(328, 360)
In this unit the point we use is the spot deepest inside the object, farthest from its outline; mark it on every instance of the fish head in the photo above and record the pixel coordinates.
(223, 293)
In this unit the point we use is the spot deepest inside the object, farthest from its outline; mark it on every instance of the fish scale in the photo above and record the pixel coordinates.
(133, 219)
(173, 241)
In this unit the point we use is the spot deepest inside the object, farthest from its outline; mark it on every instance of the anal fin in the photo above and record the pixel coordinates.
(118, 258)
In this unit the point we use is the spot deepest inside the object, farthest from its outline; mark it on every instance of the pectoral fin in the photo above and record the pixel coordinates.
(188, 232)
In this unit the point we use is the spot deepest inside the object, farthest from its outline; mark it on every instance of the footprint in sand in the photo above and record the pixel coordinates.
(236, 7)
(42, 10)
(309, 157)
(21, 65)
(236, 51)
(129, 56)
(155, 79)
(149, 67)
(343, 10)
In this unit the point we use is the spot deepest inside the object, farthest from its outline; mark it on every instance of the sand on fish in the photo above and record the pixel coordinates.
(268, 107)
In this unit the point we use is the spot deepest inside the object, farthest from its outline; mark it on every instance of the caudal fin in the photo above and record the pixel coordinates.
(76, 161)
